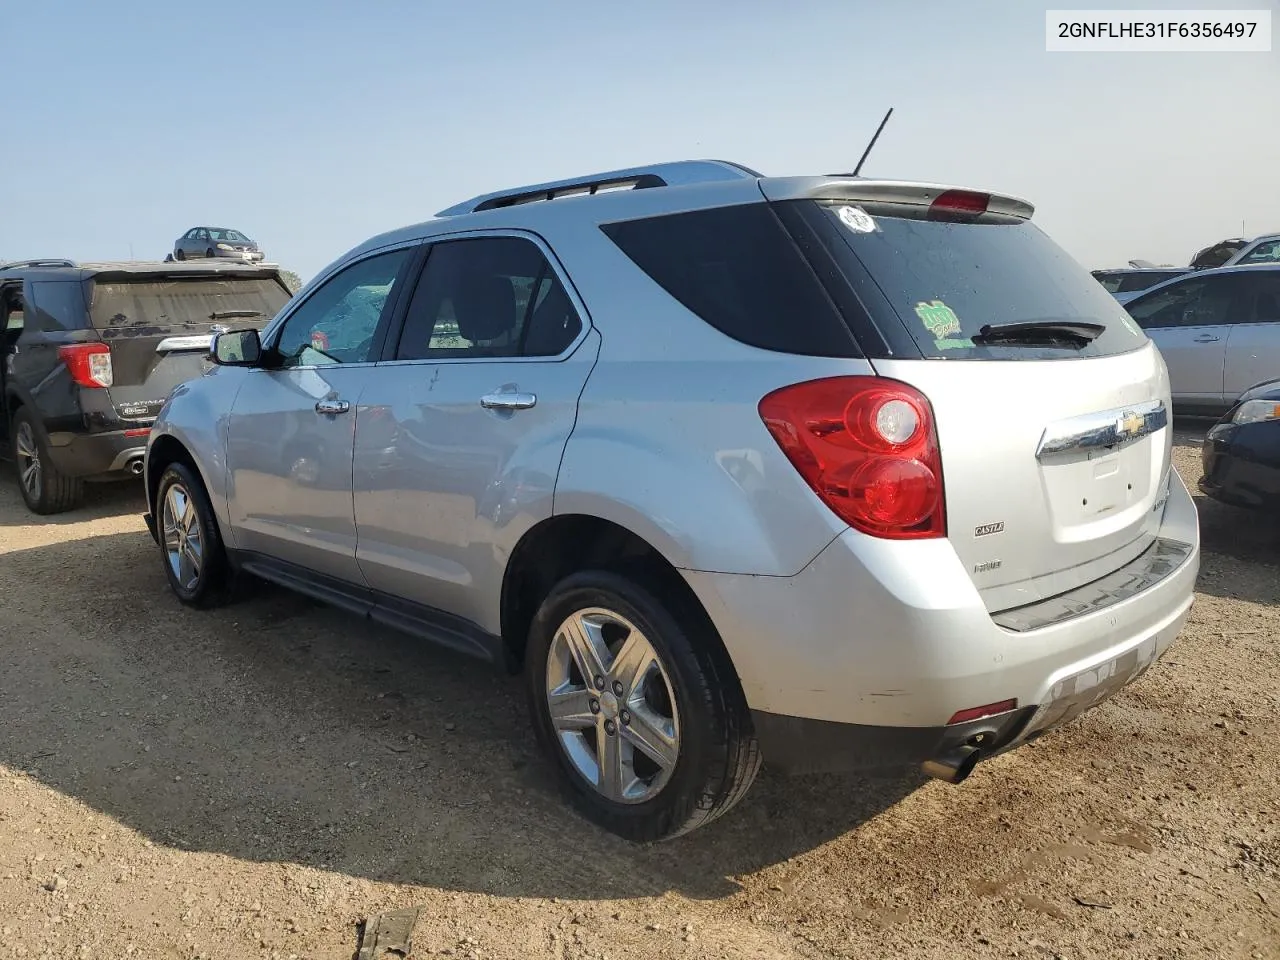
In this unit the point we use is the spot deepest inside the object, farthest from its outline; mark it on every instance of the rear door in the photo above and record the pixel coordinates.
(1253, 347)
(1190, 321)
(459, 436)
(158, 326)
(1055, 447)
(292, 425)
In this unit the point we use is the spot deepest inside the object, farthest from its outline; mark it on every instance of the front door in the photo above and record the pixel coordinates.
(1190, 321)
(459, 437)
(292, 426)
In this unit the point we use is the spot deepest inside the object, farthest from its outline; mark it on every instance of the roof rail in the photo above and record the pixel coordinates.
(675, 174)
(37, 263)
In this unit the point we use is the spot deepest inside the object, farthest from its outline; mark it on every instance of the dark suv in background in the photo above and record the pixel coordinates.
(90, 351)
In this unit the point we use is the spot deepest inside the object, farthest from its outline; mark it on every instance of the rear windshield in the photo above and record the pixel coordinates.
(943, 281)
(136, 307)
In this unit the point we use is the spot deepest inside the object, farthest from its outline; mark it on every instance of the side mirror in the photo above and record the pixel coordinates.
(236, 348)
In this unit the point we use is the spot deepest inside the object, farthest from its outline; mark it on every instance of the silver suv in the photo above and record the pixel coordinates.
(825, 471)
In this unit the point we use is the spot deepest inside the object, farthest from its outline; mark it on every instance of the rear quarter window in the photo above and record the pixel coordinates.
(945, 279)
(739, 270)
(55, 305)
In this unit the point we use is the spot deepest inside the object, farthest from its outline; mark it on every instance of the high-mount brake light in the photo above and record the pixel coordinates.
(89, 363)
(868, 447)
(960, 201)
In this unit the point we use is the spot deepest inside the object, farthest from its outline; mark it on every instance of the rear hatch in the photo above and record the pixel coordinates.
(159, 326)
(1051, 405)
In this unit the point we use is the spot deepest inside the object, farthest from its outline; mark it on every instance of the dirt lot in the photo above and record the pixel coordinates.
(252, 782)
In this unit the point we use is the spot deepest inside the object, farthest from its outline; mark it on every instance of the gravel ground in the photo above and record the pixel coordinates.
(253, 782)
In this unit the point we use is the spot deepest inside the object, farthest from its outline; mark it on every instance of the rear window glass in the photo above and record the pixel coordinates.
(1141, 281)
(125, 307)
(944, 280)
(738, 269)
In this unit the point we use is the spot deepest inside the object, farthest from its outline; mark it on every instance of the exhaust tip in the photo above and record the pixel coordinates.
(953, 766)
(135, 466)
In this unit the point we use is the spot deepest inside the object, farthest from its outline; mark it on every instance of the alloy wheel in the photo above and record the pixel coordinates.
(183, 543)
(612, 705)
(28, 455)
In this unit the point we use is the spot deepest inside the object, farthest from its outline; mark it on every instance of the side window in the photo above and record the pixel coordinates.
(192, 234)
(1266, 297)
(738, 270)
(487, 297)
(1203, 302)
(1268, 252)
(13, 311)
(57, 305)
(336, 324)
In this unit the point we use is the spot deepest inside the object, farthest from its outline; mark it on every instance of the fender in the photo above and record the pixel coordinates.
(743, 509)
(195, 415)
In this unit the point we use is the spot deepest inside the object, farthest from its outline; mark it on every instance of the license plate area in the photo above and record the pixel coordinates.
(1074, 694)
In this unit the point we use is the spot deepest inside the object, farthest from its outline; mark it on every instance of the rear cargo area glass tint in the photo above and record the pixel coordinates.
(179, 304)
(739, 270)
(944, 279)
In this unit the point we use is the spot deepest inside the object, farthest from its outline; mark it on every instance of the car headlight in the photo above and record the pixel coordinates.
(1255, 411)
(224, 246)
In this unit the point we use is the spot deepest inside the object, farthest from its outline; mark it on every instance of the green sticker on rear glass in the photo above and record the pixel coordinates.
(953, 344)
(938, 318)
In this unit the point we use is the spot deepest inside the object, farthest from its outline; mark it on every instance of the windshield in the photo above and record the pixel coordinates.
(233, 235)
(944, 280)
(145, 306)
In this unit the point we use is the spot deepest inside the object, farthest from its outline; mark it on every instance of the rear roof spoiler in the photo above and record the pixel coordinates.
(884, 191)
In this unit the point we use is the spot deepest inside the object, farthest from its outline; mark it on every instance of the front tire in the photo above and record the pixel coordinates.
(636, 702)
(195, 561)
(45, 489)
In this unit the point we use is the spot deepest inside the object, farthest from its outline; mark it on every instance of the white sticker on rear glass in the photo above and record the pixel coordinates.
(856, 219)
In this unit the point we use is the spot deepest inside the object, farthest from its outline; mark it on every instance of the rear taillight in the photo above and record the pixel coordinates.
(89, 363)
(869, 449)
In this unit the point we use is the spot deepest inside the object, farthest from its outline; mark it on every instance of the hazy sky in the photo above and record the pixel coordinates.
(313, 125)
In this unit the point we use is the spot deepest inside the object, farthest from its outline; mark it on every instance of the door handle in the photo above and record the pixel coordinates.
(331, 407)
(508, 401)
(1206, 338)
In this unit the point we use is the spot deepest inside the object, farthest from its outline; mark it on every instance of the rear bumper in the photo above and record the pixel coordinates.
(97, 454)
(1242, 464)
(891, 640)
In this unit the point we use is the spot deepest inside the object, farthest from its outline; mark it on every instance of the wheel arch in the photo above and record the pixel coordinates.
(167, 449)
(568, 543)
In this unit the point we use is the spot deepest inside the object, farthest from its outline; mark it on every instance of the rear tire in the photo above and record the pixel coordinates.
(700, 753)
(195, 560)
(179, 255)
(45, 489)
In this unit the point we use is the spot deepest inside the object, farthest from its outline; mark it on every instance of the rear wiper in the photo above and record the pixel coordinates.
(225, 314)
(1035, 332)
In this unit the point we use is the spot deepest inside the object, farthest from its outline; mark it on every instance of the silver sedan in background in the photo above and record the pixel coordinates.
(213, 242)
(1219, 332)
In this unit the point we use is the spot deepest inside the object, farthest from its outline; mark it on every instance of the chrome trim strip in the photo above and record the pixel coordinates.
(1107, 428)
(169, 344)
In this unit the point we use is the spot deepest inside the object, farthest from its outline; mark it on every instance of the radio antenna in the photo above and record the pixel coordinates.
(874, 138)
